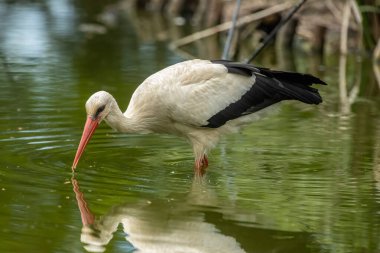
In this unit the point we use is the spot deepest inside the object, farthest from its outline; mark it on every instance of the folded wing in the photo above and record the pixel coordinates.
(269, 87)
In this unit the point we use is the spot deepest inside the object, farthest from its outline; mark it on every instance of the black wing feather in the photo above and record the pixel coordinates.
(270, 87)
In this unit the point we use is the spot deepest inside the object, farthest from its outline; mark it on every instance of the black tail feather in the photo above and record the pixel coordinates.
(287, 90)
(294, 77)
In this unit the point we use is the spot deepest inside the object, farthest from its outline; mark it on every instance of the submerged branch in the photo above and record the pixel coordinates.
(344, 100)
(376, 62)
(231, 31)
(271, 35)
(225, 26)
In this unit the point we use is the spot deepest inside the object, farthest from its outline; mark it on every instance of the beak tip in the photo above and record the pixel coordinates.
(75, 163)
(88, 130)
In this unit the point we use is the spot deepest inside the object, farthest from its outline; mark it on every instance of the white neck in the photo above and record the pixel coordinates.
(118, 121)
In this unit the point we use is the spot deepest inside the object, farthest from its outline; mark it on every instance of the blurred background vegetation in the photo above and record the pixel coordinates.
(318, 22)
(198, 29)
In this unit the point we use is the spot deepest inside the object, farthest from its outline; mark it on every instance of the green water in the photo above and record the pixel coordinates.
(305, 179)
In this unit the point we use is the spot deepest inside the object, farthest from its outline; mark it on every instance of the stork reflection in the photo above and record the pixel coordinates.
(192, 224)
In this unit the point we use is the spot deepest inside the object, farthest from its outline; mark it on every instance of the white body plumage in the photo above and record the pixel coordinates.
(181, 98)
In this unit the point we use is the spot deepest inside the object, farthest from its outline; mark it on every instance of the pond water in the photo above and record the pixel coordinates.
(305, 179)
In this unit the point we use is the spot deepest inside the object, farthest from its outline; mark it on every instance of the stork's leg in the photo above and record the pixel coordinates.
(200, 165)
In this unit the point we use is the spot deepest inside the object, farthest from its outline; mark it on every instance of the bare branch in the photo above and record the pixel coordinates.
(231, 31)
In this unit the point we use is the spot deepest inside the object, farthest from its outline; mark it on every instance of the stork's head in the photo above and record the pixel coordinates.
(98, 106)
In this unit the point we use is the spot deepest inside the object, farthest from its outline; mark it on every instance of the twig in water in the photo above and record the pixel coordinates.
(376, 62)
(231, 31)
(225, 26)
(345, 103)
(270, 36)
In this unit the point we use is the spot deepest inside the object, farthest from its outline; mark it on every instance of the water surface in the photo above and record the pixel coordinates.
(305, 179)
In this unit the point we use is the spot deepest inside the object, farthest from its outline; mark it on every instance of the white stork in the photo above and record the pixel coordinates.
(199, 100)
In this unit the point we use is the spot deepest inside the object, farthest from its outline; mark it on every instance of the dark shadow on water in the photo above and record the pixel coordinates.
(189, 224)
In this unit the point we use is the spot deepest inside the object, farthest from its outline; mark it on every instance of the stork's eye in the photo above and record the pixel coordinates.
(100, 109)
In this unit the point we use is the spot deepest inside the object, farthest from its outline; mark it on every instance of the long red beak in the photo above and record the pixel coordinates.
(89, 129)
